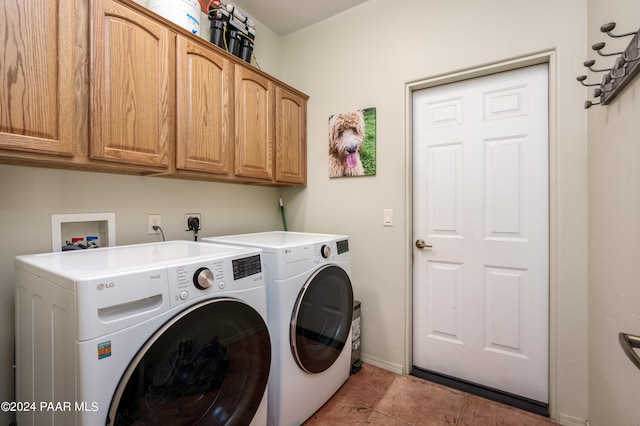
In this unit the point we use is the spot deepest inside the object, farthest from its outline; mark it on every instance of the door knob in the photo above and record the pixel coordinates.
(422, 245)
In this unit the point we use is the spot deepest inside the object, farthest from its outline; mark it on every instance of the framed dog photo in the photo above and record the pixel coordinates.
(352, 143)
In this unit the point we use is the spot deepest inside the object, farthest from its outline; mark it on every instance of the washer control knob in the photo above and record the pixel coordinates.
(325, 251)
(203, 278)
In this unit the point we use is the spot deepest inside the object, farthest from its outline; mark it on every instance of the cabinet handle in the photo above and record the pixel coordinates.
(628, 342)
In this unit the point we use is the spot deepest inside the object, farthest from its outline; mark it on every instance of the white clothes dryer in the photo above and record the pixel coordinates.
(309, 312)
(162, 333)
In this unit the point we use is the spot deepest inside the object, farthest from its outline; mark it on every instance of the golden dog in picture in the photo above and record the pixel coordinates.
(346, 136)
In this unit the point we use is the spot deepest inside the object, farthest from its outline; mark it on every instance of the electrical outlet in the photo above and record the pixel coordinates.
(153, 220)
(187, 216)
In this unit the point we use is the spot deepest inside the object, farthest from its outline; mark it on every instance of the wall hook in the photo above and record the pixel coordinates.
(589, 104)
(607, 28)
(582, 78)
(599, 46)
(590, 64)
(619, 69)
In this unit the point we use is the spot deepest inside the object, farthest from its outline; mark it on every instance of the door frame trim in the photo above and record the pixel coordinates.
(548, 57)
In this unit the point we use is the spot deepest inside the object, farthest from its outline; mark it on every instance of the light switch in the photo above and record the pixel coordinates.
(387, 215)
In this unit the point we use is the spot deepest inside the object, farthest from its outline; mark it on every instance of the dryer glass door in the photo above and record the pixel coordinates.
(208, 365)
(322, 319)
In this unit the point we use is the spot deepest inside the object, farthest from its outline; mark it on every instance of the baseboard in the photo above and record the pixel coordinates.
(380, 363)
(566, 420)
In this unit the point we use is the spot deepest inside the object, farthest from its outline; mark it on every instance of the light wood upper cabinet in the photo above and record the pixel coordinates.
(291, 137)
(132, 87)
(254, 124)
(37, 97)
(205, 109)
(108, 85)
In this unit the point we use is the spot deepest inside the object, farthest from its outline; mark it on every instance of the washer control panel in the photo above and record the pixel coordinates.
(187, 282)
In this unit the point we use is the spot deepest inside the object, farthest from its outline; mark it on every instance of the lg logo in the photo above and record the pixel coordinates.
(102, 286)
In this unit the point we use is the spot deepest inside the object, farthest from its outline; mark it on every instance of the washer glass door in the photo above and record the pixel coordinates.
(321, 319)
(208, 365)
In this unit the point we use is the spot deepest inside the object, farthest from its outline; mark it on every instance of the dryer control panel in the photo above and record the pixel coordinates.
(331, 250)
(343, 246)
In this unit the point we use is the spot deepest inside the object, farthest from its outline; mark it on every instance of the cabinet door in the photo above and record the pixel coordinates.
(291, 137)
(37, 73)
(254, 124)
(204, 110)
(132, 86)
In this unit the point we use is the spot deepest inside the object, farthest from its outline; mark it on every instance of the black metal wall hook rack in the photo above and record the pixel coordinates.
(625, 67)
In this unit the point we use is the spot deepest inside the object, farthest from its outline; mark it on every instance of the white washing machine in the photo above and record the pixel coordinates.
(163, 333)
(309, 312)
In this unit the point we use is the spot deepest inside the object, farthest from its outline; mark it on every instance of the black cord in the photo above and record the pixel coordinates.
(194, 225)
(156, 228)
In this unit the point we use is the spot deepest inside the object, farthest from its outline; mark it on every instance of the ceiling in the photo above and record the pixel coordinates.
(286, 16)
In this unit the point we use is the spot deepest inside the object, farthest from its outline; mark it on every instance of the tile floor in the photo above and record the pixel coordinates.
(375, 396)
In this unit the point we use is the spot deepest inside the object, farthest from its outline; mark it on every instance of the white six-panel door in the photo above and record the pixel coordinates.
(481, 200)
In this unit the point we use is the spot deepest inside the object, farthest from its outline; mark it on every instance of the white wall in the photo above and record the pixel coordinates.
(364, 58)
(614, 230)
